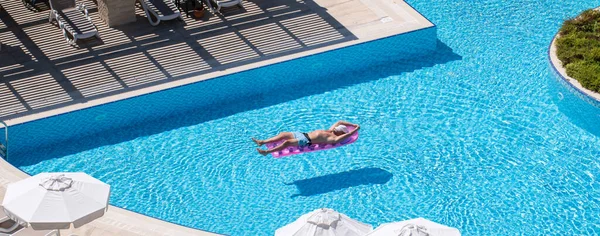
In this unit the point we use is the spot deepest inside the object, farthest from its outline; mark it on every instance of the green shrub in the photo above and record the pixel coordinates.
(578, 47)
(587, 73)
(593, 55)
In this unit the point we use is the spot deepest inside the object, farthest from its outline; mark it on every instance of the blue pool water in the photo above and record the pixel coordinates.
(480, 135)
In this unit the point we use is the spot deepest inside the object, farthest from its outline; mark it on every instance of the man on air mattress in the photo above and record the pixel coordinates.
(335, 134)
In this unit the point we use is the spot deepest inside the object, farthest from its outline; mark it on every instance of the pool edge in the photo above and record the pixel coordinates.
(149, 222)
(561, 71)
(120, 220)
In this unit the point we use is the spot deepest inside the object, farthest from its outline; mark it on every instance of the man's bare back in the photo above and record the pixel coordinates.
(322, 136)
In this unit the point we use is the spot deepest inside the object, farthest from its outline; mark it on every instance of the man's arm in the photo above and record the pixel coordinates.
(347, 135)
(341, 122)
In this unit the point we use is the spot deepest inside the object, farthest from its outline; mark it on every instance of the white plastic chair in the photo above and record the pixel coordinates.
(7, 226)
(160, 10)
(228, 3)
(73, 19)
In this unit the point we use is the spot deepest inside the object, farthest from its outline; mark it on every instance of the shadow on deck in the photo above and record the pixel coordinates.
(39, 71)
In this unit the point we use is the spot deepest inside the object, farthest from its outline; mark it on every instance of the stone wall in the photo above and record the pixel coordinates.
(117, 12)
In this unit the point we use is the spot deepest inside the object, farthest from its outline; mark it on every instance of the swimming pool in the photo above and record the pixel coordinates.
(480, 135)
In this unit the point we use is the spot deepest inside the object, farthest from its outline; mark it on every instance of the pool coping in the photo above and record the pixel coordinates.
(562, 72)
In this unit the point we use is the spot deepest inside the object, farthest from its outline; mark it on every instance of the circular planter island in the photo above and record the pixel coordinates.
(562, 70)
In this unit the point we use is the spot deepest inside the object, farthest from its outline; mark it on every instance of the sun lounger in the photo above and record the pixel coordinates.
(22, 231)
(227, 3)
(31, 232)
(30, 2)
(73, 19)
(10, 228)
(7, 226)
(160, 10)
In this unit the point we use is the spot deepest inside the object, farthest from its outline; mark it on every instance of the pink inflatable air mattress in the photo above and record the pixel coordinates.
(311, 148)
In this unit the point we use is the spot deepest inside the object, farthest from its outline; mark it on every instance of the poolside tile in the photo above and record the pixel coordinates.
(178, 59)
(41, 91)
(15, 8)
(49, 40)
(19, 54)
(264, 37)
(93, 79)
(135, 69)
(10, 103)
(235, 50)
(317, 32)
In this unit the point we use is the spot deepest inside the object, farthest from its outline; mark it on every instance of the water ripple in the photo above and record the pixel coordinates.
(492, 144)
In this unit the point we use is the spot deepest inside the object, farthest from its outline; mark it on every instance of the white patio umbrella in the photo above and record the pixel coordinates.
(56, 200)
(414, 227)
(324, 222)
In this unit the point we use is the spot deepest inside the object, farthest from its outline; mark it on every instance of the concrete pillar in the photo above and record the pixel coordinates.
(117, 12)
